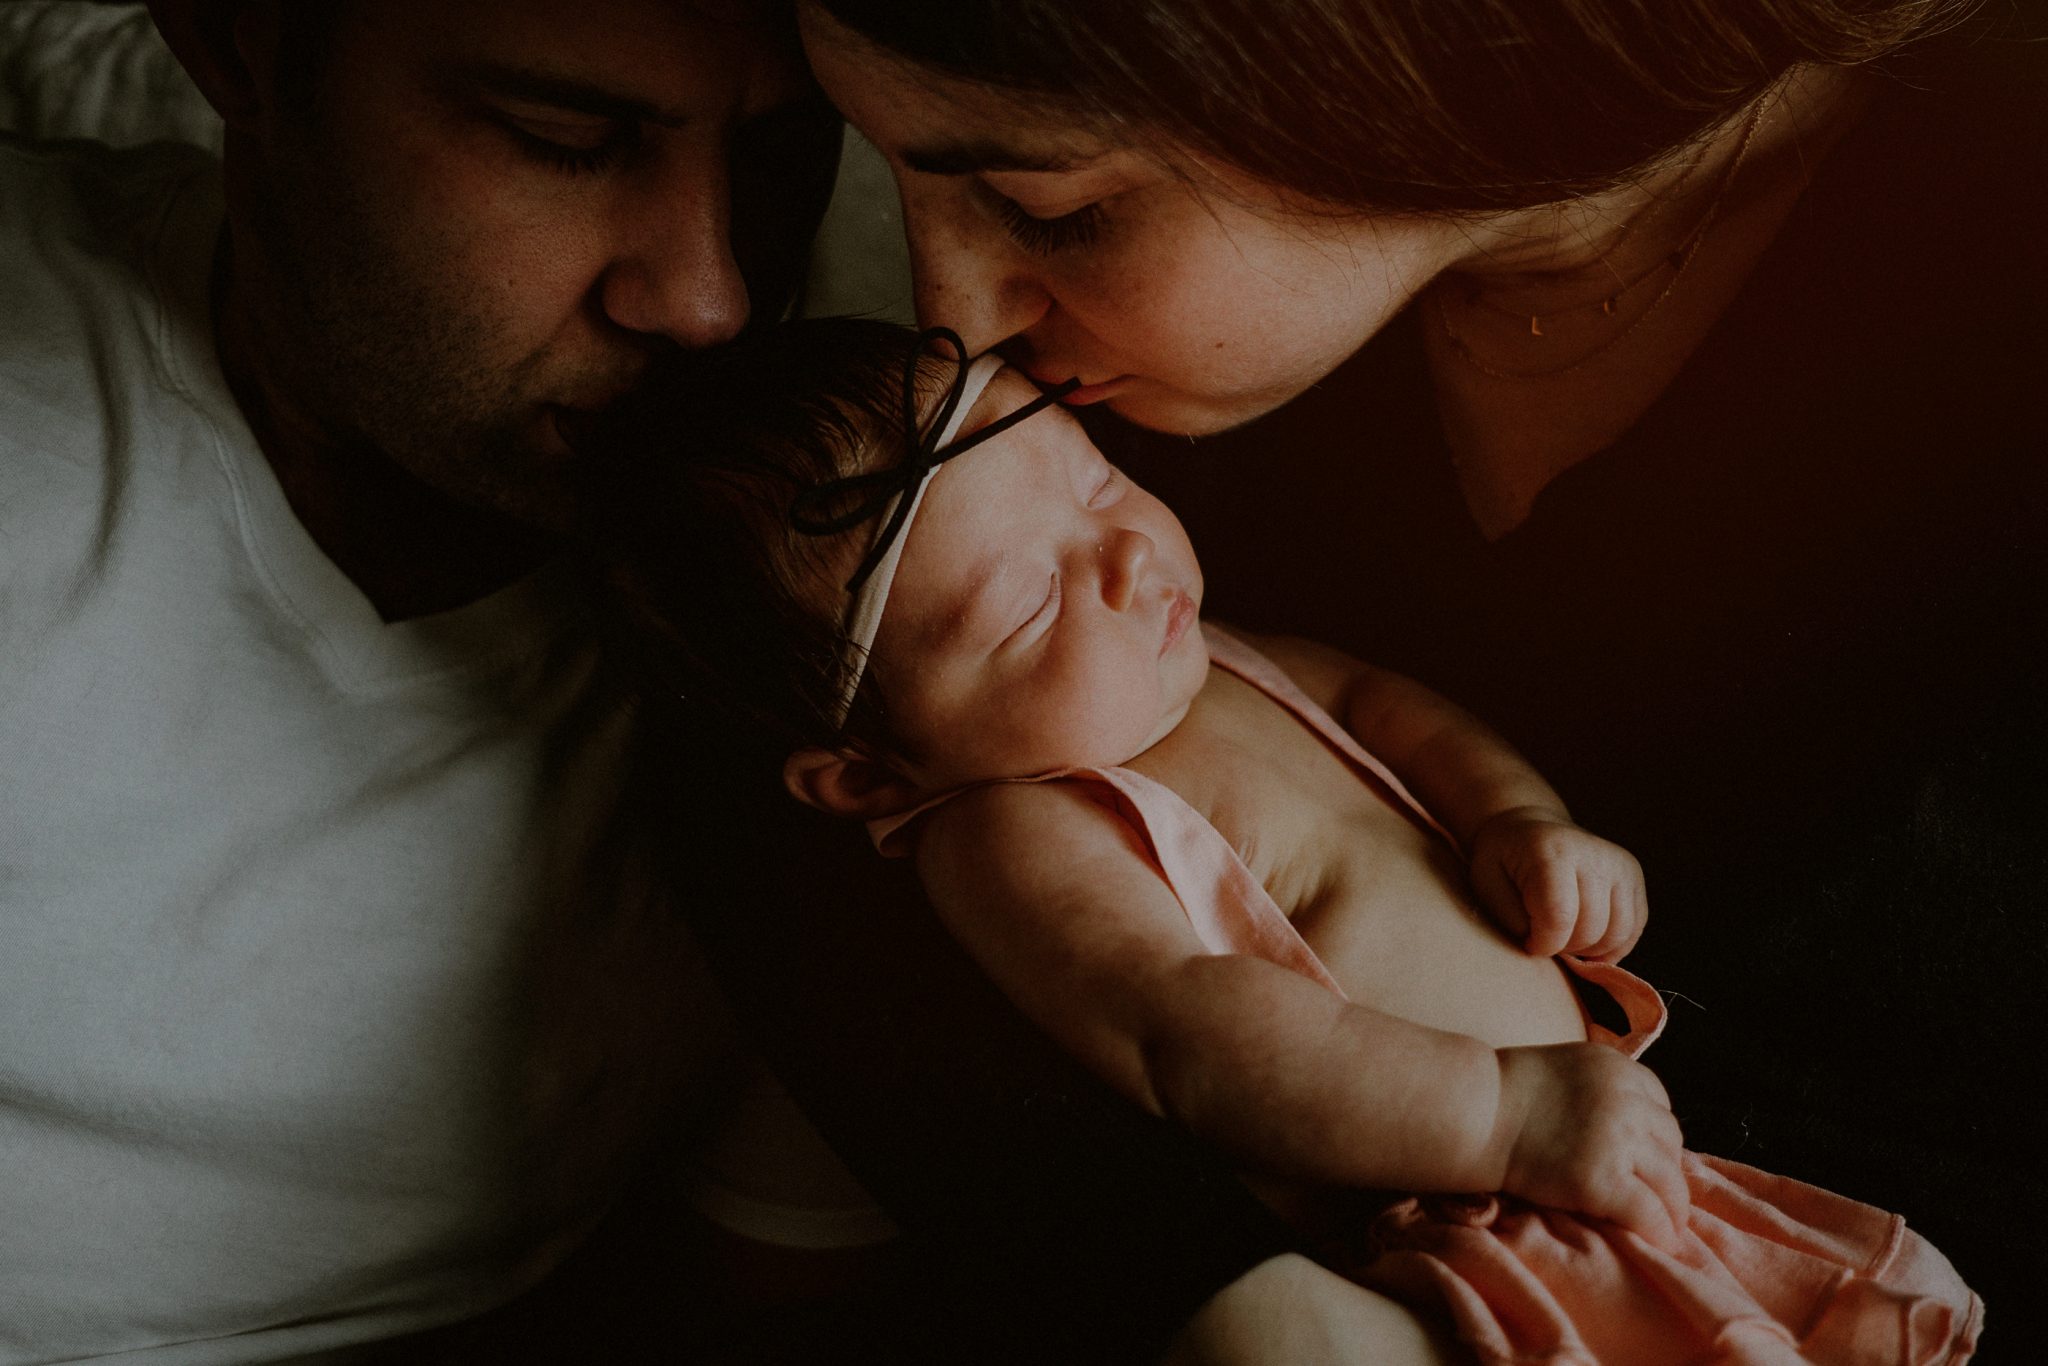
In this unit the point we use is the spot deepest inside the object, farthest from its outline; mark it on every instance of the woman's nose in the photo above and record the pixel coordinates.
(1125, 553)
(967, 275)
(673, 273)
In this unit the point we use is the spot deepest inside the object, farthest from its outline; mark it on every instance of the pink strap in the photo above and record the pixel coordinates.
(1233, 656)
(1638, 1000)
(1228, 907)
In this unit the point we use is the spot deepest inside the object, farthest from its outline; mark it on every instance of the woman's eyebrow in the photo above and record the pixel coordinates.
(566, 92)
(977, 155)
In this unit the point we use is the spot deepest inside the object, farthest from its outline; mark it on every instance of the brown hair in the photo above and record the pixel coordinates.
(726, 606)
(1415, 106)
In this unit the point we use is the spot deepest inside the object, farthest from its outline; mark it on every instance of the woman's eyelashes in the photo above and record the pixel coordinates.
(1048, 236)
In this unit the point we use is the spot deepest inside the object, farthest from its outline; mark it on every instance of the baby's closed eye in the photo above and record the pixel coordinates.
(1041, 616)
(1109, 489)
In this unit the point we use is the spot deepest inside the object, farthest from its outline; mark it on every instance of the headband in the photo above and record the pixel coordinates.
(895, 493)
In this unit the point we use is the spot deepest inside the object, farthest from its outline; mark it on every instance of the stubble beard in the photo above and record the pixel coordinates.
(386, 356)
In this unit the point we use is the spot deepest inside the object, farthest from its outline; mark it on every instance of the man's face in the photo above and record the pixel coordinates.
(482, 219)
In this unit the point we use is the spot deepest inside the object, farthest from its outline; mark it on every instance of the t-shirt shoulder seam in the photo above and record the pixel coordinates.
(170, 365)
(167, 361)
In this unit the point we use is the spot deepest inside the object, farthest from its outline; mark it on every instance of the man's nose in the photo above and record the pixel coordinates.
(1125, 553)
(967, 274)
(673, 273)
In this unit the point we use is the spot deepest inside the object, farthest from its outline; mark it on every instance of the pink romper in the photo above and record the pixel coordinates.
(1770, 1270)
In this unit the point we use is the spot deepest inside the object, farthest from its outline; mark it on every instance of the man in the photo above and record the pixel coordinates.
(336, 995)
(334, 998)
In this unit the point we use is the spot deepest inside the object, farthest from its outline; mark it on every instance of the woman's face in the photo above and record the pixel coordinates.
(1188, 297)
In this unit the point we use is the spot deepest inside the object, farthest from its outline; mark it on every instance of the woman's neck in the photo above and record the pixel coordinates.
(1556, 258)
(1546, 347)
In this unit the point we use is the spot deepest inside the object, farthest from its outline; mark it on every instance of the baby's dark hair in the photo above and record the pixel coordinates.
(729, 608)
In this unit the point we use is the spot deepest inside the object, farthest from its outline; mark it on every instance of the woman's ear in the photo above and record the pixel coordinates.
(228, 47)
(851, 785)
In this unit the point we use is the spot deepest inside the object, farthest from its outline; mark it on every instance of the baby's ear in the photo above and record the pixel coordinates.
(851, 785)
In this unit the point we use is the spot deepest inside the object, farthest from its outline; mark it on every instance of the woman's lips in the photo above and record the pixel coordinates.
(1086, 393)
(1179, 616)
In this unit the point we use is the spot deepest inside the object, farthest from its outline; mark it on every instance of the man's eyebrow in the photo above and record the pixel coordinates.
(968, 158)
(567, 92)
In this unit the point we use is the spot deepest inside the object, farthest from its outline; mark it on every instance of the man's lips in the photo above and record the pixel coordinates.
(559, 429)
(573, 423)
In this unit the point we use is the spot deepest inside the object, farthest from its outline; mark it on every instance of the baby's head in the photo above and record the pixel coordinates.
(1043, 613)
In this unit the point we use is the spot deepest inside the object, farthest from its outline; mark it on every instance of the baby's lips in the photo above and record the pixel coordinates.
(1180, 615)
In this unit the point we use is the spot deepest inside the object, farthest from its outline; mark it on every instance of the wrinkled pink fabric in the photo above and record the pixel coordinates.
(1768, 1271)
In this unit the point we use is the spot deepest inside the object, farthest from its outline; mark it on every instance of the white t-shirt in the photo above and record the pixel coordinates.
(332, 997)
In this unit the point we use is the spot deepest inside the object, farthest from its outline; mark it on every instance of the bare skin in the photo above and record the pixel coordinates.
(1458, 1063)
(1291, 1312)
(1044, 618)
(1384, 903)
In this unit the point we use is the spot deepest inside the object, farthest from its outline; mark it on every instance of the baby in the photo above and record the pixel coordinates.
(1297, 903)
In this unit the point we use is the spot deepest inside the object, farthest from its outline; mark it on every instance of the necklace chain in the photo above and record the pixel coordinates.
(1681, 259)
(1605, 303)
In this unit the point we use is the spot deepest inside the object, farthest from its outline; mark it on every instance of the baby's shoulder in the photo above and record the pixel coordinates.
(1048, 850)
(1035, 822)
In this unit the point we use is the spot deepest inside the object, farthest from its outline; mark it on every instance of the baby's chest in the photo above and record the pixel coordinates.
(1381, 899)
(1317, 836)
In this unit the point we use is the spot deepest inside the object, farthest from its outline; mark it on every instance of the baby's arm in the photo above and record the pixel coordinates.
(1051, 895)
(1557, 887)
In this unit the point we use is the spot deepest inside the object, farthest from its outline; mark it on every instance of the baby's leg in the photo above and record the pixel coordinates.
(1290, 1312)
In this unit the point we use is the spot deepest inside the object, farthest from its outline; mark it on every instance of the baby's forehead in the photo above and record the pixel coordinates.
(1006, 391)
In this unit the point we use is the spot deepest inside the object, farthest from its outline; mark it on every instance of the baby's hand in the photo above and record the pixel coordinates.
(1557, 888)
(1592, 1131)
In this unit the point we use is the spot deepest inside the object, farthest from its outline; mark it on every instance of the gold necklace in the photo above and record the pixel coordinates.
(1681, 259)
(1605, 303)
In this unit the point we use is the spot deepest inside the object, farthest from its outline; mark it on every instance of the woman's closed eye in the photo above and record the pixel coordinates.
(1048, 236)
(1110, 490)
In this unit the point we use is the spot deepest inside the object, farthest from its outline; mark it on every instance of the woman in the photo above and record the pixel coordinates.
(1681, 358)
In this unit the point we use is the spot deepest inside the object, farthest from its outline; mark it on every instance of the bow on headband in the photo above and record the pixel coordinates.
(842, 504)
(839, 505)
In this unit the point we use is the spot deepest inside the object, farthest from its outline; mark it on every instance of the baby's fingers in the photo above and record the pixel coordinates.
(1663, 1172)
(1660, 1164)
(1550, 900)
(1592, 924)
(1627, 913)
(1646, 1207)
